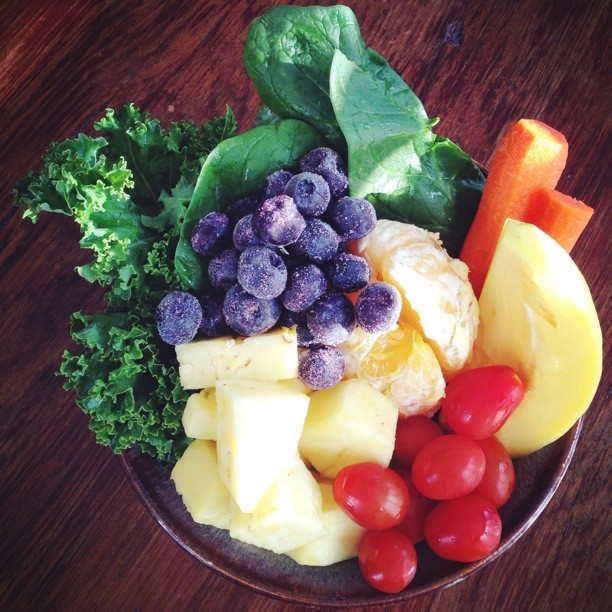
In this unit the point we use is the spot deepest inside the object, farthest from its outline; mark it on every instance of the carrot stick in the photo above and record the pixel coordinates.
(530, 155)
(559, 215)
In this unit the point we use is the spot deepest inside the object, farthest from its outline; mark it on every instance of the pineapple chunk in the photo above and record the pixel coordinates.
(288, 516)
(295, 384)
(349, 423)
(272, 356)
(341, 540)
(200, 415)
(258, 428)
(196, 479)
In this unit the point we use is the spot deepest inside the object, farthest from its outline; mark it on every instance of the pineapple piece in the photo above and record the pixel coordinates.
(341, 540)
(288, 516)
(272, 356)
(200, 415)
(258, 428)
(349, 423)
(196, 479)
(295, 384)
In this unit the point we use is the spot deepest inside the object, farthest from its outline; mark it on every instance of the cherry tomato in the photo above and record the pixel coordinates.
(448, 467)
(411, 435)
(387, 560)
(479, 401)
(375, 497)
(463, 529)
(497, 482)
(443, 424)
(413, 524)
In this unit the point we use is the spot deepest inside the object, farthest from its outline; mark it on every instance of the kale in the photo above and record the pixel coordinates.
(128, 189)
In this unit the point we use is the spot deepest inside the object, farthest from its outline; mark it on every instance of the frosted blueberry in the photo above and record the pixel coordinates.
(223, 269)
(331, 319)
(321, 367)
(330, 166)
(247, 314)
(348, 272)
(310, 192)
(378, 307)
(318, 242)
(353, 218)
(209, 234)
(178, 317)
(262, 272)
(305, 284)
(275, 183)
(277, 221)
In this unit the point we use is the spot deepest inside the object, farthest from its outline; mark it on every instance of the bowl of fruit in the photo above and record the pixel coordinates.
(339, 363)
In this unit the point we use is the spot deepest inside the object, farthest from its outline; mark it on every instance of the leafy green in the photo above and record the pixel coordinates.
(395, 160)
(157, 159)
(384, 123)
(128, 190)
(288, 54)
(236, 168)
(125, 385)
(442, 195)
(311, 63)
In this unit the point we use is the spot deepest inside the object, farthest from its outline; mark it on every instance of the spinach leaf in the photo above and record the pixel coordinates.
(237, 167)
(288, 55)
(385, 124)
(441, 195)
(266, 116)
(395, 159)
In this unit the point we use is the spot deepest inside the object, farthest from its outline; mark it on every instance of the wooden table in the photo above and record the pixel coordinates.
(73, 533)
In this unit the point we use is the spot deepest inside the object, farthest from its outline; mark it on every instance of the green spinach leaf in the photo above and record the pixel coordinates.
(236, 168)
(385, 124)
(288, 55)
(266, 116)
(442, 195)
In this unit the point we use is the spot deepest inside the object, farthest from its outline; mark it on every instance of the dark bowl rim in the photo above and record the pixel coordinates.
(243, 578)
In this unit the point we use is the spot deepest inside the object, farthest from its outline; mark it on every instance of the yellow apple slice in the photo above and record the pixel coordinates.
(537, 316)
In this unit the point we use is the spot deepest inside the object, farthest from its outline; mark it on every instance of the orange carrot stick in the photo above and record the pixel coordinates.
(559, 215)
(530, 155)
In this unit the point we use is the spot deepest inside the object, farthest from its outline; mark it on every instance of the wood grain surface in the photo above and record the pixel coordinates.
(73, 534)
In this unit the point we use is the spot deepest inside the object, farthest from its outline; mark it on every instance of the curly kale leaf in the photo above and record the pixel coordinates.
(126, 386)
(158, 159)
(128, 190)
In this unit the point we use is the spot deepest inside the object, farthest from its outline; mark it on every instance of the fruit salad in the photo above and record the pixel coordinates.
(330, 328)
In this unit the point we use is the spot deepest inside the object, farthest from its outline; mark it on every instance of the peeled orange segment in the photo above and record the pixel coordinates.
(399, 364)
(538, 317)
(437, 298)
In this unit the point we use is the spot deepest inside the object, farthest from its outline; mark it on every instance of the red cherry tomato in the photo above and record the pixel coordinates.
(375, 497)
(448, 467)
(479, 401)
(497, 482)
(420, 506)
(463, 529)
(411, 435)
(444, 426)
(387, 560)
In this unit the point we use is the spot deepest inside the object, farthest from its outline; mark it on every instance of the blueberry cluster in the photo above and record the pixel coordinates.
(282, 259)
